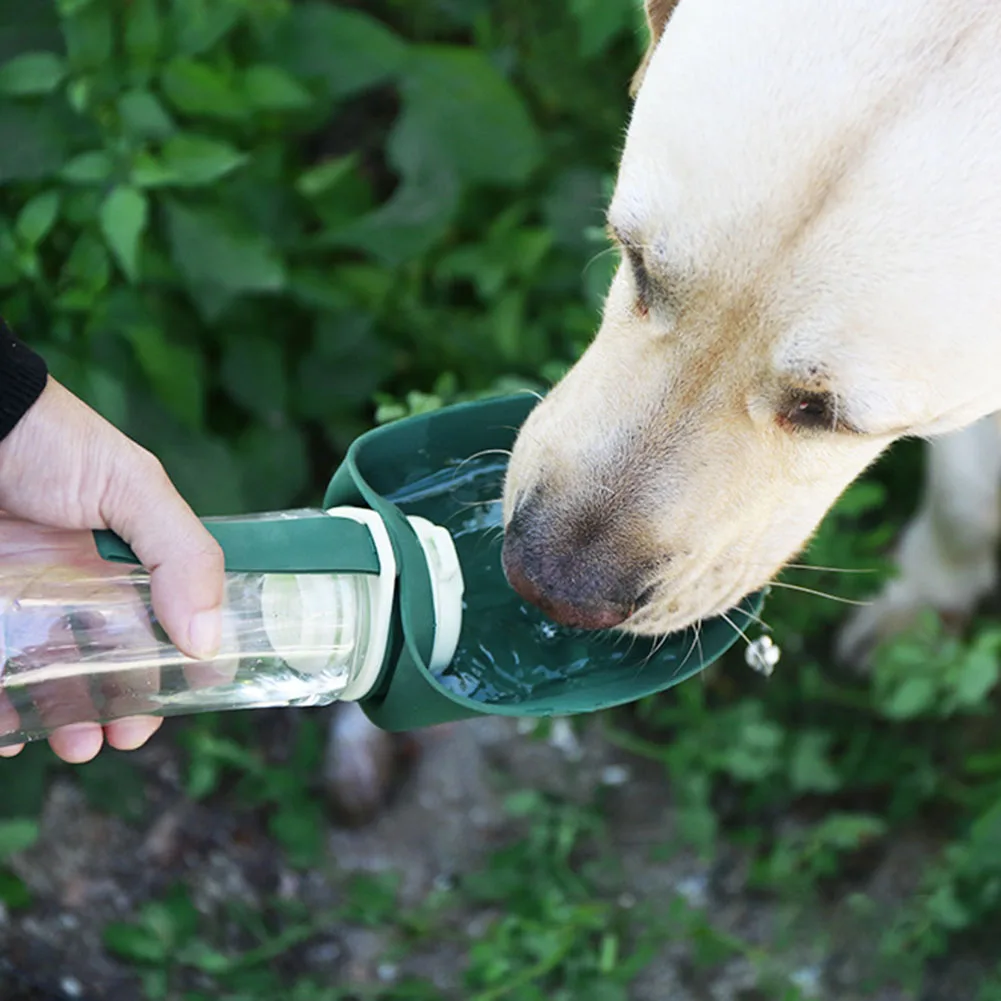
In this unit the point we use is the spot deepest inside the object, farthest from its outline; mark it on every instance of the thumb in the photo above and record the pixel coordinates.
(186, 564)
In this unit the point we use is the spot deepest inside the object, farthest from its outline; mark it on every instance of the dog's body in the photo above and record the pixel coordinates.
(809, 208)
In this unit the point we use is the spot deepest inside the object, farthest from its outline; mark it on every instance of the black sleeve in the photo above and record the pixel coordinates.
(22, 378)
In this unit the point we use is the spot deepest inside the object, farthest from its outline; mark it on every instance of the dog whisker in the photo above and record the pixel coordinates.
(479, 455)
(810, 566)
(818, 594)
(733, 625)
(597, 257)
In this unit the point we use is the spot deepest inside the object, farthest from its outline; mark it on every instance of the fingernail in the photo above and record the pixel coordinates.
(205, 633)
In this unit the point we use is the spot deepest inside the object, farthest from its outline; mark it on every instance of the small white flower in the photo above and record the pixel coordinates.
(762, 655)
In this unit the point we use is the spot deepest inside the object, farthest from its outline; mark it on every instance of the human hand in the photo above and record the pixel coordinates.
(64, 465)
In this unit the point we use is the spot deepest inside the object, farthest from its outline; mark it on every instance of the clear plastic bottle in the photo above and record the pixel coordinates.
(79, 640)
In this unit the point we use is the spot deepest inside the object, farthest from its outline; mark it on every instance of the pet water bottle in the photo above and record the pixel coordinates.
(391, 594)
(79, 640)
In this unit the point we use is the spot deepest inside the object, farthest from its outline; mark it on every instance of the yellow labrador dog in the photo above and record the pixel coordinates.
(809, 214)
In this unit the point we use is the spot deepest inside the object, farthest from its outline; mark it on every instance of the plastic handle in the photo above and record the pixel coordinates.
(284, 545)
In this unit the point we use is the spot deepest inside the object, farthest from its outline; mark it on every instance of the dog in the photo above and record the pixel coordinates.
(810, 236)
(808, 211)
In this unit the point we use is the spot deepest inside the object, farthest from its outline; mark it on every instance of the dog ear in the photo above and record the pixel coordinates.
(658, 13)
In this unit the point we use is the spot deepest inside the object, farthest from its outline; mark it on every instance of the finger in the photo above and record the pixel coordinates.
(10, 724)
(131, 733)
(185, 562)
(10, 721)
(57, 694)
(78, 742)
(121, 633)
(222, 669)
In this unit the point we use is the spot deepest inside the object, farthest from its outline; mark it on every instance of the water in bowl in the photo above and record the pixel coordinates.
(509, 652)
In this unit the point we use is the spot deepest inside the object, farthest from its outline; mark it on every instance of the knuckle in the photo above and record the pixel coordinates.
(148, 466)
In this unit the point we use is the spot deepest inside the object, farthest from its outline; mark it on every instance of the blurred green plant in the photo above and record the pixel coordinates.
(232, 225)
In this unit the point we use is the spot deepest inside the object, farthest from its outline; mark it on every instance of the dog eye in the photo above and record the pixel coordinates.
(641, 279)
(812, 412)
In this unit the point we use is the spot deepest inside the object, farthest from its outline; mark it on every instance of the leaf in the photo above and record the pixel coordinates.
(36, 219)
(89, 37)
(32, 143)
(68, 7)
(847, 831)
(17, 835)
(944, 907)
(458, 102)
(87, 265)
(106, 394)
(978, 671)
(198, 25)
(192, 160)
(420, 210)
(572, 205)
(135, 943)
(275, 466)
(198, 88)
(32, 73)
(14, 893)
(123, 217)
(150, 172)
(599, 21)
(143, 116)
(143, 31)
(202, 956)
(320, 179)
(204, 773)
(344, 368)
(911, 698)
(175, 371)
(10, 258)
(92, 167)
(347, 50)
(300, 828)
(252, 371)
(201, 466)
(270, 88)
(810, 769)
(209, 249)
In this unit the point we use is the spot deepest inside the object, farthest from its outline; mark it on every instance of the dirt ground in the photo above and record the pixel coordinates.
(89, 868)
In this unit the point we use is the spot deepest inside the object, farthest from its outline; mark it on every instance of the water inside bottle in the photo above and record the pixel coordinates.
(70, 653)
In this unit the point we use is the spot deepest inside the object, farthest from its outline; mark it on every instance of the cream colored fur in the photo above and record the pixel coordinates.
(815, 190)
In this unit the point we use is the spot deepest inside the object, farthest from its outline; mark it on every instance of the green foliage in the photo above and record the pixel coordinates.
(216, 245)
(929, 672)
(284, 792)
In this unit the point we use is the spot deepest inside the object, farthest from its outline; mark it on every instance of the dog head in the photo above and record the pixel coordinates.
(801, 215)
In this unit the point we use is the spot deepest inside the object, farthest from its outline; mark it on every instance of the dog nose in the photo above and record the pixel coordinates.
(590, 614)
(576, 586)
